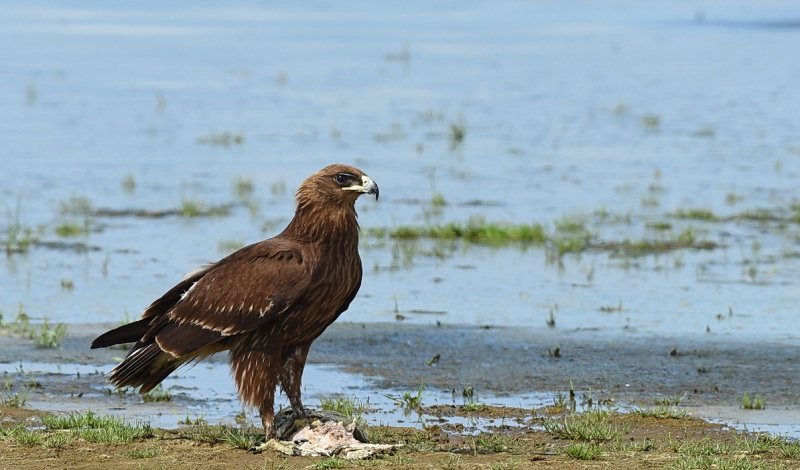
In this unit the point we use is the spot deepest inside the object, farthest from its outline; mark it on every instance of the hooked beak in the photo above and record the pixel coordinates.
(370, 187)
(367, 187)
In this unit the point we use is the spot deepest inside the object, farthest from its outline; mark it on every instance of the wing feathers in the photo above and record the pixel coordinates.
(238, 294)
(181, 340)
(124, 334)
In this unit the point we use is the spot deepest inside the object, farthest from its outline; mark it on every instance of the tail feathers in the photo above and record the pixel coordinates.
(146, 366)
(129, 333)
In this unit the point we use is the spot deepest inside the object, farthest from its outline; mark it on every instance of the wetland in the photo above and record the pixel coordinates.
(588, 215)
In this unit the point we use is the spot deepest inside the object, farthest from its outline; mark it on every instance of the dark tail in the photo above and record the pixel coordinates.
(129, 333)
(145, 366)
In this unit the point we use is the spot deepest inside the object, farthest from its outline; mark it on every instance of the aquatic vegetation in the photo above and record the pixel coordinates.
(409, 400)
(621, 109)
(670, 401)
(158, 394)
(705, 131)
(551, 320)
(755, 403)
(395, 132)
(191, 208)
(458, 130)
(610, 309)
(438, 200)
(47, 337)
(403, 56)
(660, 226)
(661, 412)
(222, 139)
(8, 397)
(76, 205)
(473, 406)
(21, 325)
(31, 93)
(696, 214)
(277, 188)
(19, 237)
(570, 224)
(488, 233)
(651, 121)
(197, 420)
(195, 208)
(351, 408)
(128, 183)
(72, 229)
(243, 187)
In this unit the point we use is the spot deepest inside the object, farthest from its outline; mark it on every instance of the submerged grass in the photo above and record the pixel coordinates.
(19, 237)
(72, 229)
(755, 403)
(488, 233)
(570, 236)
(158, 394)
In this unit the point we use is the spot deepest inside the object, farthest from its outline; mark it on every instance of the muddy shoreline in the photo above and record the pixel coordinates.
(707, 375)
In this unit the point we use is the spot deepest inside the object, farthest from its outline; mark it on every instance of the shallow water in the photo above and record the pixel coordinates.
(615, 116)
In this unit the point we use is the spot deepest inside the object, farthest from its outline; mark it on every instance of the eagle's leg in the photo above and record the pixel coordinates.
(293, 360)
(255, 373)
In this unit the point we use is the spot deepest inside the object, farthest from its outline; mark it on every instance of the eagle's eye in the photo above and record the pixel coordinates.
(342, 178)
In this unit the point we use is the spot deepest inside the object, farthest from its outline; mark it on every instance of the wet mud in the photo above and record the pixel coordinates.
(513, 365)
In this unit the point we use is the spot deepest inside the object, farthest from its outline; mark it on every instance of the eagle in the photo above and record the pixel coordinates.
(264, 303)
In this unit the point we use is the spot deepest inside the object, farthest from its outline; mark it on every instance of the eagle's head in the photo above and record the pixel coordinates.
(336, 184)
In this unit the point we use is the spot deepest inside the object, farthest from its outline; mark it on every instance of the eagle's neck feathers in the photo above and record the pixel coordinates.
(330, 223)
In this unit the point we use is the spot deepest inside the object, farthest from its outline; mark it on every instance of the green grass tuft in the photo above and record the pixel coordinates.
(143, 453)
(589, 426)
(93, 428)
(583, 451)
(696, 214)
(49, 338)
(158, 394)
(222, 139)
(756, 403)
(351, 408)
(72, 229)
(409, 400)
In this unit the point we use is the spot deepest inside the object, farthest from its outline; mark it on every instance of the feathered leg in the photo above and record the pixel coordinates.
(255, 373)
(293, 361)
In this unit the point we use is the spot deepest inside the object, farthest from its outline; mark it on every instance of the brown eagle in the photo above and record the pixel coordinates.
(265, 303)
